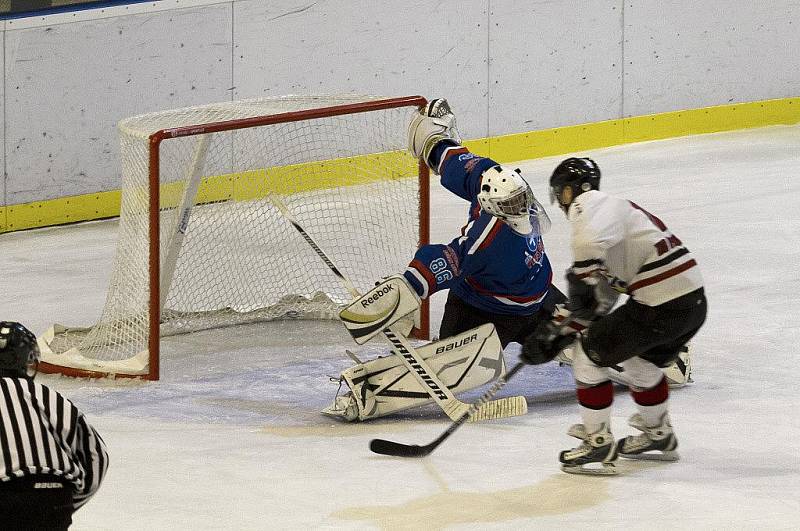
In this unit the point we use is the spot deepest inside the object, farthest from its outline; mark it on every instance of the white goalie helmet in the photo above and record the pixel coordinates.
(506, 194)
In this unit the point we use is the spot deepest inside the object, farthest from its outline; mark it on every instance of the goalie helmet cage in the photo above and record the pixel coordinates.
(200, 245)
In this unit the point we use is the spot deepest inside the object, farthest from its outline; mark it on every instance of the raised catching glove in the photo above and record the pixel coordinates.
(544, 343)
(434, 123)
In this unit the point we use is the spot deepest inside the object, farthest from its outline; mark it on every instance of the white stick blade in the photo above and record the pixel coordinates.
(511, 406)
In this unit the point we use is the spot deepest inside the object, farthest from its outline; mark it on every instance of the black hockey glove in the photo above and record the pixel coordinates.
(544, 343)
(581, 301)
(589, 301)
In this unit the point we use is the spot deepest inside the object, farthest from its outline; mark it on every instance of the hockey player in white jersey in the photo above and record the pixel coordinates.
(619, 247)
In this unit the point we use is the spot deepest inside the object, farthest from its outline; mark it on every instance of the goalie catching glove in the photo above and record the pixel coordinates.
(434, 123)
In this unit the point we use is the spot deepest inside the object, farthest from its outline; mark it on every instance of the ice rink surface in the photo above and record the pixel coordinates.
(232, 437)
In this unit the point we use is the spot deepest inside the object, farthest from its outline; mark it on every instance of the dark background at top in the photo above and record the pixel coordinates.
(10, 8)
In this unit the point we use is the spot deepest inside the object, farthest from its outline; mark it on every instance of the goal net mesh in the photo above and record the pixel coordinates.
(227, 255)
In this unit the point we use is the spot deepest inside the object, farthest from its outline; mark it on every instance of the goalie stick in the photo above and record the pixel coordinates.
(382, 446)
(439, 392)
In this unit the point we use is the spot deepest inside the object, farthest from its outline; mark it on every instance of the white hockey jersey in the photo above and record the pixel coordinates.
(632, 248)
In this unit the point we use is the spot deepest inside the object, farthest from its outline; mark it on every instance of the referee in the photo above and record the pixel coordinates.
(53, 460)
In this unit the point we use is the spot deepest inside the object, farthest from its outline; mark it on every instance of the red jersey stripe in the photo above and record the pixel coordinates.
(426, 274)
(492, 233)
(661, 276)
(587, 274)
(450, 152)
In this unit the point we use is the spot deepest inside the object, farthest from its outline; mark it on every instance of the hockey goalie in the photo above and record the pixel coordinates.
(495, 270)
(411, 376)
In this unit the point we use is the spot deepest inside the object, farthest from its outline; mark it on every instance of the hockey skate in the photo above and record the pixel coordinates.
(655, 444)
(598, 447)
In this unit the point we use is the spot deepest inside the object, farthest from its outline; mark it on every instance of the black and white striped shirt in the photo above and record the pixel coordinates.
(43, 433)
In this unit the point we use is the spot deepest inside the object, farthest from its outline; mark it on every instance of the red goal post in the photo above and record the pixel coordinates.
(339, 161)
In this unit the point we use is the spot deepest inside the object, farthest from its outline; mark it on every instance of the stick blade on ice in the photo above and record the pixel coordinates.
(381, 446)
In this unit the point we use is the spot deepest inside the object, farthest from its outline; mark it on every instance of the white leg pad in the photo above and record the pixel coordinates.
(384, 385)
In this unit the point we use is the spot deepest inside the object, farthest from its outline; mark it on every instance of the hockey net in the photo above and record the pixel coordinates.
(201, 246)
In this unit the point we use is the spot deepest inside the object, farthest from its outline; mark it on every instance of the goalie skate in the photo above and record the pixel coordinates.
(344, 406)
(384, 385)
(680, 372)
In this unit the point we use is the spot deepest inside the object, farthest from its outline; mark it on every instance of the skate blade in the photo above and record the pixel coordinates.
(608, 469)
(340, 414)
(336, 414)
(656, 456)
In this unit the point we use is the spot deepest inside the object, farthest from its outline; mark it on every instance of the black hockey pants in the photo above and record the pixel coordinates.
(459, 317)
(35, 502)
(654, 333)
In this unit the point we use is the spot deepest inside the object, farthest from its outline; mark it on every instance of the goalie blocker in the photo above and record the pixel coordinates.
(385, 385)
(390, 301)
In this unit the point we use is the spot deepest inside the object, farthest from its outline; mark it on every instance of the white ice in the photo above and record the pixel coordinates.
(232, 437)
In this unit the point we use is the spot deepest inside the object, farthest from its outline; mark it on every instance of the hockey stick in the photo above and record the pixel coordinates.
(382, 446)
(400, 347)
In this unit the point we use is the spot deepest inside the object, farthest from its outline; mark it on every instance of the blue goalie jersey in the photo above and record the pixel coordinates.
(489, 266)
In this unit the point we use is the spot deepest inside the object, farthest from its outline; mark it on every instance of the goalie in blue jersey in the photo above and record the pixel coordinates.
(497, 273)
(496, 269)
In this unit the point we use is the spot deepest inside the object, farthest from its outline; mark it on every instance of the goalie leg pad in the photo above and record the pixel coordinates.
(390, 301)
(384, 385)
(680, 372)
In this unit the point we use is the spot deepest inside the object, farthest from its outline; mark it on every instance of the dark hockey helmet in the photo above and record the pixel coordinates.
(571, 178)
(19, 352)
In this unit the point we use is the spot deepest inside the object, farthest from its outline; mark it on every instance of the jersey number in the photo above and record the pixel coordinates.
(669, 242)
(439, 268)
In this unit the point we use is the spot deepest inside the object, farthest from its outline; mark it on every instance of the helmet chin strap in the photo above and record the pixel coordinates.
(518, 219)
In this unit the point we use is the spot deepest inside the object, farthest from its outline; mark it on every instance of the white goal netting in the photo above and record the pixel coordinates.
(227, 256)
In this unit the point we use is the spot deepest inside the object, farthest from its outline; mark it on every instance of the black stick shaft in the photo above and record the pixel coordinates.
(384, 447)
